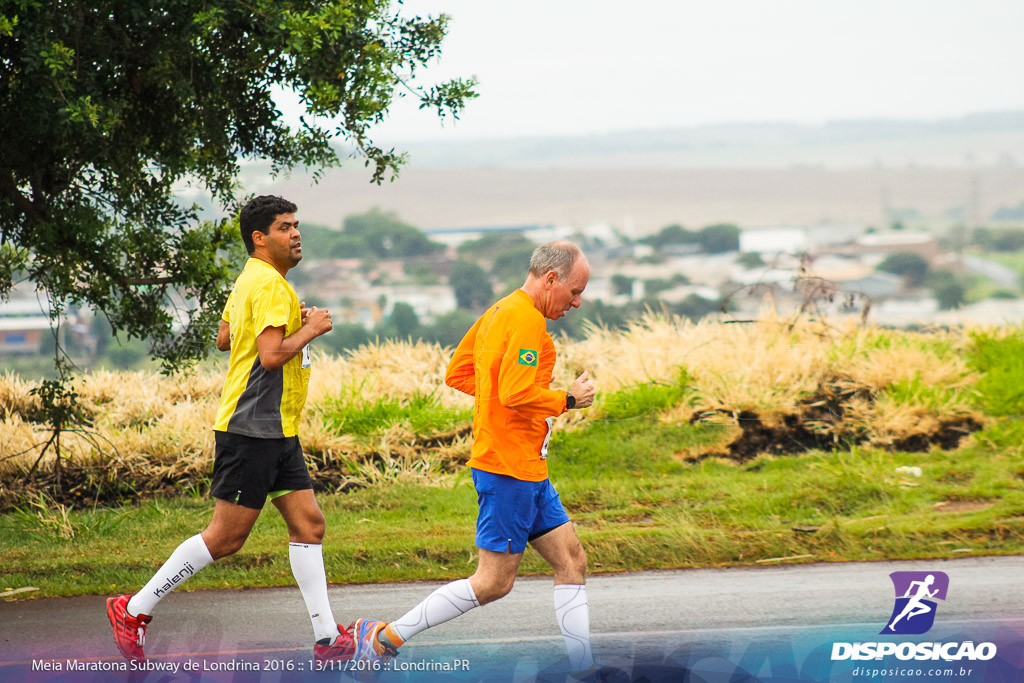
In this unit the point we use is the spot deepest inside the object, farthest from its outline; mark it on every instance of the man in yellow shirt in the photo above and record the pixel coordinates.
(257, 453)
(506, 361)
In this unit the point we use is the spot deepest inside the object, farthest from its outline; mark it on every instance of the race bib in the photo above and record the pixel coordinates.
(547, 440)
(306, 358)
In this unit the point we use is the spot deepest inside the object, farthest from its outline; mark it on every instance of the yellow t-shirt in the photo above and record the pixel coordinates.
(506, 361)
(256, 402)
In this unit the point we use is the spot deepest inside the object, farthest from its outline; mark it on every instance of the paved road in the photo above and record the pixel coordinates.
(771, 620)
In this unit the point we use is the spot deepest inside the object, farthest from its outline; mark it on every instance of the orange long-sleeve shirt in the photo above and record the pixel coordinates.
(506, 361)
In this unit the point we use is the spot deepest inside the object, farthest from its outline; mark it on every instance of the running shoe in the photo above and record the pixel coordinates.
(340, 649)
(129, 631)
(368, 646)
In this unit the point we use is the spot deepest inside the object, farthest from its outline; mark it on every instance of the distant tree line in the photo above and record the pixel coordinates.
(948, 288)
(375, 234)
(601, 314)
(998, 239)
(713, 239)
(403, 323)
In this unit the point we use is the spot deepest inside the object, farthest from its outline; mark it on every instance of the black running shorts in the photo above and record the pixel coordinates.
(246, 469)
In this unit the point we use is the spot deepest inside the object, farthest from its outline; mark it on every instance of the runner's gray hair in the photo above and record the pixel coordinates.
(558, 256)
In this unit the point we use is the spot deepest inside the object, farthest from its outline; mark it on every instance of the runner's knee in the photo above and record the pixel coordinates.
(309, 528)
(223, 544)
(492, 588)
(576, 560)
(318, 527)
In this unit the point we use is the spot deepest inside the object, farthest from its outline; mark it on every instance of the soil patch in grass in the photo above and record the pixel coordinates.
(962, 505)
(793, 434)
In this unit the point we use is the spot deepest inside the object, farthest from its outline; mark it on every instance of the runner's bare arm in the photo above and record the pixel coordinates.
(224, 336)
(275, 349)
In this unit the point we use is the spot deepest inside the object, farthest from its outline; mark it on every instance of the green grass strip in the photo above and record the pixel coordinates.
(636, 505)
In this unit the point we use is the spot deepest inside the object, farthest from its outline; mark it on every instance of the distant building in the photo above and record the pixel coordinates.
(362, 311)
(603, 232)
(798, 239)
(877, 285)
(771, 241)
(23, 325)
(453, 237)
(922, 243)
(429, 301)
(682, 292)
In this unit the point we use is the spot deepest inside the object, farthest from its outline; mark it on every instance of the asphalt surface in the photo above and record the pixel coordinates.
(772, 620)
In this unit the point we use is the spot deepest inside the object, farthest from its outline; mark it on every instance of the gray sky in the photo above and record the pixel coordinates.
(554, 67)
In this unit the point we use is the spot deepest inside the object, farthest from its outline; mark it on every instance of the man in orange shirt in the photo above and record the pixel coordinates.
(506, 361)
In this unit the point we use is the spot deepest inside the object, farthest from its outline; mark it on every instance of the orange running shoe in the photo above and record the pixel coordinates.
(368, 646)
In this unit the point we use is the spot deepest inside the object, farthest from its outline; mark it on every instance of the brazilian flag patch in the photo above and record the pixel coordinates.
(527, 357)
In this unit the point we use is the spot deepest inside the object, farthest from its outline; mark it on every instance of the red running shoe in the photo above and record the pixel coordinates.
(129, 631)
(340, 649)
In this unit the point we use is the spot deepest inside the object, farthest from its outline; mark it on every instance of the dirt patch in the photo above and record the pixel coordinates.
(794, 434)
(947, 436)
(791, 436)
(962, 505)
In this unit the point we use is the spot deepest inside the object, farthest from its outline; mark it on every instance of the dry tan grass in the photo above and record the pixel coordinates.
(765, 367)
(391, 369)
(159, 428)
(15, 397)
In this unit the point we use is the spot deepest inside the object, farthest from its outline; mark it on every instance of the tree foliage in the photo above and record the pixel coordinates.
(907, 264)
(493, 244)
(713, 239)
(109, 105)
(375, 234)
(324, 242)
(386, 237)
(719, 238)
(622, 284)
(403, 322)
(950, 291)
(1004, 239)
(671, 234)
(472, 287)
(750, 260)
(512, 264)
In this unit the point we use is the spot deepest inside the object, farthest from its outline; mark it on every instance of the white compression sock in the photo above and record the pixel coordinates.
(188, 558)
(447, 602)
(573, 614)
(308, 567)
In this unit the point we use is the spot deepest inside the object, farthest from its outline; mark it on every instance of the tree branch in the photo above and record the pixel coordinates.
(20, 201)
(138, 281)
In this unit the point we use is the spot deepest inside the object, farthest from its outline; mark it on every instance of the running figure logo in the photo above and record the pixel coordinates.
(914, 612)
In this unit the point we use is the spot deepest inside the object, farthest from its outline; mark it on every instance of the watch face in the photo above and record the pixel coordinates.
(570, 401)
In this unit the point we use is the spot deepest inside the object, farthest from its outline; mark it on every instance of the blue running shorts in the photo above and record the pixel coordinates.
(513, 512)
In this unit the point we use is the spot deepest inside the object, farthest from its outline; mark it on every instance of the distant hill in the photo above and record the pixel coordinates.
(978, 139)
(940, 172)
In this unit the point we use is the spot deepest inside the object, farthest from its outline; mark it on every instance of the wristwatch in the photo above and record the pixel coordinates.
(570, 401)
